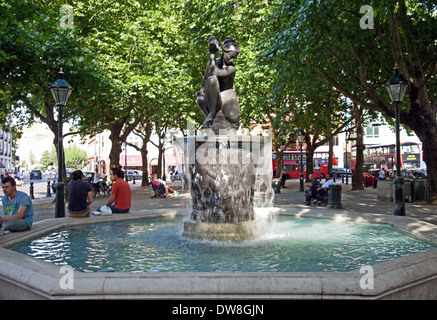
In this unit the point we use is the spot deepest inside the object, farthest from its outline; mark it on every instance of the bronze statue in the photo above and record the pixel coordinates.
(216, 97)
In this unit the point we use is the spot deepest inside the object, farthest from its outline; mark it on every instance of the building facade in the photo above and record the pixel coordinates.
(7, 164)
(99, 147)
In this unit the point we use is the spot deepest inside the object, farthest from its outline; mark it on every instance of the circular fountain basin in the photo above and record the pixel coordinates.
(412, 276)
(289, 244)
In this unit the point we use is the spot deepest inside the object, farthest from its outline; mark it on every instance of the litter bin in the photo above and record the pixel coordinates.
(334, 196)
(420, 190)
(276, 185)
(407, 190)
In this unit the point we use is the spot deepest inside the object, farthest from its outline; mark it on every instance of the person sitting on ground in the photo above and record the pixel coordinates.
(17, 208)
(80, 196)
(120, 200)
(312, 189)
(160, 183)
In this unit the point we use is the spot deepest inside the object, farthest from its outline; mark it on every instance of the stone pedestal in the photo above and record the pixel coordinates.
(239, 231)
(225, 173)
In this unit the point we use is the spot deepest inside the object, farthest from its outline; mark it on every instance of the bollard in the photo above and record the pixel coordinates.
(31, 191)
(334, 196)
(276, 185)
(48, 189)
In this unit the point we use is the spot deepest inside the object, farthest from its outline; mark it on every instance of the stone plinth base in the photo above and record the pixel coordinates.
(239, 231)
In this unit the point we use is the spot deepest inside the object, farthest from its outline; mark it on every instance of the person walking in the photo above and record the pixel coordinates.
(80, 196)
(381, 174)
(96, 182)
(283, 178)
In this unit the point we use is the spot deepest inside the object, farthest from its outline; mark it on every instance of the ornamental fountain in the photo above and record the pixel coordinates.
(228, 173)
(229, 177)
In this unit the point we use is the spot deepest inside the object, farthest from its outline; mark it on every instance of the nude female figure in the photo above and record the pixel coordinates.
(216, 93)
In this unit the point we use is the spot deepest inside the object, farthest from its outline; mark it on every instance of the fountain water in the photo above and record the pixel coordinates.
(228, 176)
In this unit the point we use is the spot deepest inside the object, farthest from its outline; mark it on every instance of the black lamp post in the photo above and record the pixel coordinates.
(300, 138)
(396, 87)
(61, 91)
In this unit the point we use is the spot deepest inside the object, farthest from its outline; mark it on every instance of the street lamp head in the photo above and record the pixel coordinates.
(61, 90)
(396, 86)
(300, 137)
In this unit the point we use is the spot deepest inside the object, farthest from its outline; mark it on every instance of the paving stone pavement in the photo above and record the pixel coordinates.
(352, 201)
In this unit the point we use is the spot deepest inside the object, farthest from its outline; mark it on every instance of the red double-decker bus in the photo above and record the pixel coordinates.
(377, 157)
(384, 156)
(291, 163)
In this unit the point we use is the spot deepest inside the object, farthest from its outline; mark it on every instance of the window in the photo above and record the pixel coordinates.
(334, 141)
(372, 132)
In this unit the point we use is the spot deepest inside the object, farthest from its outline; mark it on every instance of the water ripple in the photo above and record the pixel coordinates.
(290, 244)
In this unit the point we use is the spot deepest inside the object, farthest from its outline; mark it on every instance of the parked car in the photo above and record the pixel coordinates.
(35, 174)
(88, 176)
(339, 172)
(413, 174)
(138, 174)
(420, 173)
(55, 181)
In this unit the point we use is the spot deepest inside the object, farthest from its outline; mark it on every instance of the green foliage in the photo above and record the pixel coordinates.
(140, 61)
(75, 156)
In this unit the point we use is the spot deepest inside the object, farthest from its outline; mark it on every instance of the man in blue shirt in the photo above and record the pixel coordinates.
(17, 208)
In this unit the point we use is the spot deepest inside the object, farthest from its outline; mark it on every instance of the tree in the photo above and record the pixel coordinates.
(74, 156)
(33, 48)
(45, 159)
(144, 131)
(357, 62)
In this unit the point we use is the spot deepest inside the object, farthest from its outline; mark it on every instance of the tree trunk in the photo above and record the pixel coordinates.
(144, 152)
(331, 139)
(357, 178)
(117, 137)
(279, 152)
(310, 157)
(116, 146)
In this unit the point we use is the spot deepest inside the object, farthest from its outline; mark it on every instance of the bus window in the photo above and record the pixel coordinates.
(286, 167)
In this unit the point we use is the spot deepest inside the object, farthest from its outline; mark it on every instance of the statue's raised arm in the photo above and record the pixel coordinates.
(217, 98)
